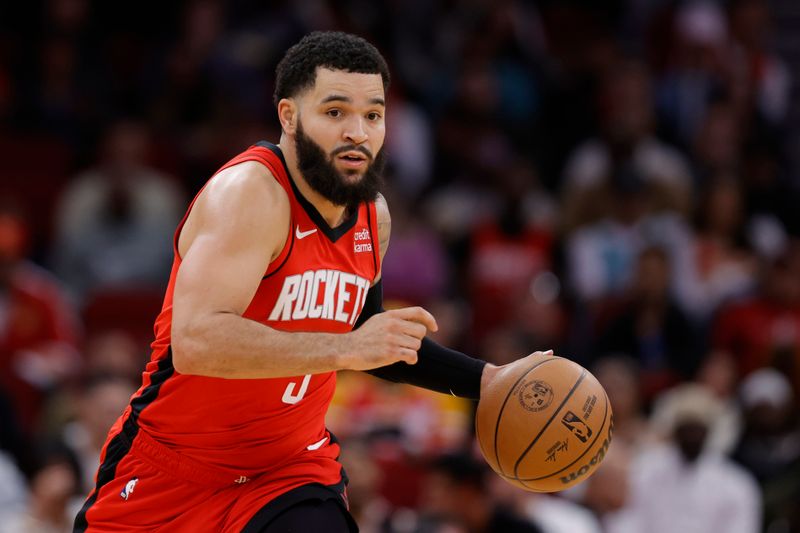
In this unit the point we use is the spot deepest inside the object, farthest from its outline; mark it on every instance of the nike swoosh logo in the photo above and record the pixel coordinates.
(303, 234)
(317, 445)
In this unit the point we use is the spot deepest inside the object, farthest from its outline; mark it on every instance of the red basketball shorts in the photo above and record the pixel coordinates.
(144, 486)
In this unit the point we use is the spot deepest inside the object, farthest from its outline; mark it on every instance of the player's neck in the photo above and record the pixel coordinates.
(332, 213)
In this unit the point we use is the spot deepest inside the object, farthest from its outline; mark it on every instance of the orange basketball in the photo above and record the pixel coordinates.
(544, 423)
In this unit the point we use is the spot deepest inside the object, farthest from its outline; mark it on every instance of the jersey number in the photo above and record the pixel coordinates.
(290, 397)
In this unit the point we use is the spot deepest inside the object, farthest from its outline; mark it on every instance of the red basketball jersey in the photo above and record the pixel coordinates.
(318, 283)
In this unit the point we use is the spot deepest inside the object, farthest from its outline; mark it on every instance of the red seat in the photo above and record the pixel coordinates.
(130, 309)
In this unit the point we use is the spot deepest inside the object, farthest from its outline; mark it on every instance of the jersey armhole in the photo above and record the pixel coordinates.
(243, 158)
(182, 223)
(372, 222)
(279, 261)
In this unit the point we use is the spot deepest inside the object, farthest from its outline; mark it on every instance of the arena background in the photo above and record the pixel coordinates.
(614, 180)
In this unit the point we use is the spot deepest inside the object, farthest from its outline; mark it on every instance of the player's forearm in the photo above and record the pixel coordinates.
(225, 345)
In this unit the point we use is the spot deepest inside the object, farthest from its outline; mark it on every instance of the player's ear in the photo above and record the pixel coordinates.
(287, 114)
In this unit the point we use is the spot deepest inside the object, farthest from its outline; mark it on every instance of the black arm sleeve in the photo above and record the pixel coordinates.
(438, 368)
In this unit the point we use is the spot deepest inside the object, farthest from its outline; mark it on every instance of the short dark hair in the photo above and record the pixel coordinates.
(329, 49)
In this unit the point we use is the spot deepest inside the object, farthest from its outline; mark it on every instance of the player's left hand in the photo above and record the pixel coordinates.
(490, 370)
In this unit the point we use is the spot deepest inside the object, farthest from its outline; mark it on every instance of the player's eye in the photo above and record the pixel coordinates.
(335, 113)
(373, 116)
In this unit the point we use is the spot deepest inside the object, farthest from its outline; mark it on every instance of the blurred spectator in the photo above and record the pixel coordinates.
(452, 317)
(764, 330)
(685, 487)
(409, 145)
(542, 315)
(14, 442)
(503, 345)
(554, 514)
(416, 268)
(770, 445)
(115, 221)
(580, 49)
(767, 82)
(770, 195)
(370, 510)
(601, 257)
(723, 430)
(508, 250)
(718, 374)
(626, 110)
(455, 494)
(55, 495)
(185, 93)
(108, 357)
(607, 492)
(699, 68)
(101, 399)
(61, 95)
(550, 512)
(718, 266)
(13, 490)
(38, 328)
(651, 328)
(717, 145)
(114, 353)
(619, 376)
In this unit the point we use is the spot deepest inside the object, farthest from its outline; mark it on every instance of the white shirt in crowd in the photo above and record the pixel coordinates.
(669, 496)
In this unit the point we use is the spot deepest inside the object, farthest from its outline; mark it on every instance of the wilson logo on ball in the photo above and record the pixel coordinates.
(594, 461)
(535, 395)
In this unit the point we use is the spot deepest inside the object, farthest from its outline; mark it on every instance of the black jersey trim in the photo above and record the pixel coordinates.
(150, 393)
(333, 234)
(291, 247)
(120, 444)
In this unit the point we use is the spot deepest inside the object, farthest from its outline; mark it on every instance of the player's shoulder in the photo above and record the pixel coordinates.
(247, 186)
(382, 209)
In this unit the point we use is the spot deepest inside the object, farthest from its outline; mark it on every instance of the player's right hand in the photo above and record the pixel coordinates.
(387, 338)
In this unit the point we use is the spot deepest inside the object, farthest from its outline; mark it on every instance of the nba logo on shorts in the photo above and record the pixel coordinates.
(128, 490)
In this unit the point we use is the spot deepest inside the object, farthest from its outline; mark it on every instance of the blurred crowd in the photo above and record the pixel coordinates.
(613, 180)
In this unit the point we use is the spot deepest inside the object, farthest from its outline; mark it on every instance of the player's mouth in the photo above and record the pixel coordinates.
(352, 159)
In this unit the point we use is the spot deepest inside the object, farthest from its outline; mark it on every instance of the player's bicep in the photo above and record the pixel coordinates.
(237, 228)
(217, 275)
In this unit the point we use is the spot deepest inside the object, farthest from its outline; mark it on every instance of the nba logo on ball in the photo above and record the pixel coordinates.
(544, 423)
(576, 426)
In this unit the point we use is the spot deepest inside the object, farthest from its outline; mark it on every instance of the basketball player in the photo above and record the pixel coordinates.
(275, 286)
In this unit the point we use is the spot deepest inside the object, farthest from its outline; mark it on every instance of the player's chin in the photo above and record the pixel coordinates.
(351, 176)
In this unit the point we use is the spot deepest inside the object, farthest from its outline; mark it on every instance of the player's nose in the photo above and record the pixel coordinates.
(355, 131)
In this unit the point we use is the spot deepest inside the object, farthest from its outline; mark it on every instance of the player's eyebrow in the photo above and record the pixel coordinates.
(346, 99)
(337, 98)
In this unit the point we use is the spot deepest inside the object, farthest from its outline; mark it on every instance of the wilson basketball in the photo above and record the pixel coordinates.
(544, 423)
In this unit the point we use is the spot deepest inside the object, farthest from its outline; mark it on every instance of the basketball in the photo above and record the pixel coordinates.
(544, 423)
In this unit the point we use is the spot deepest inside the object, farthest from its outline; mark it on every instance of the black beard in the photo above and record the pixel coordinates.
(321, 175)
